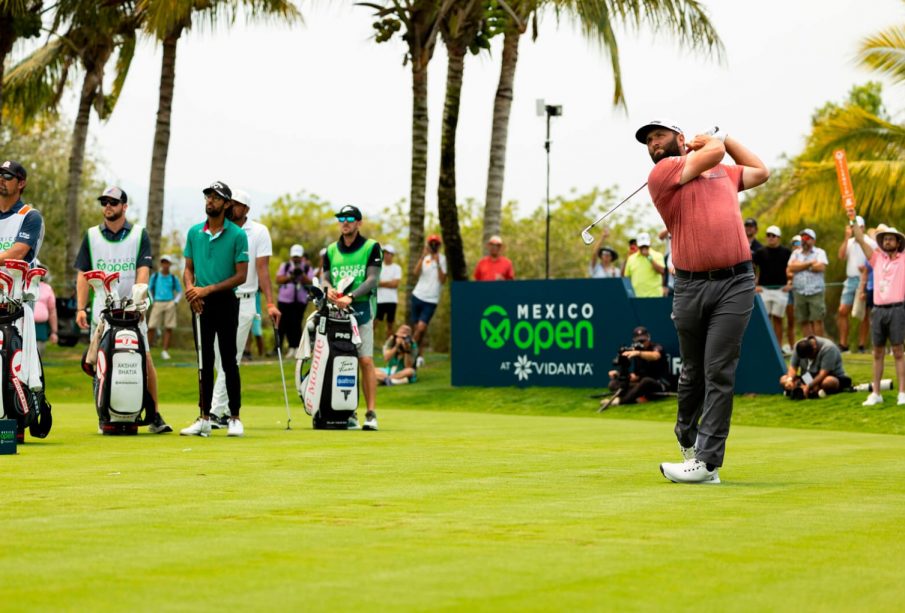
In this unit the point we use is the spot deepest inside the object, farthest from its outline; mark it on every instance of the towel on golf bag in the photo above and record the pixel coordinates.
(31, 365)
(21, 401)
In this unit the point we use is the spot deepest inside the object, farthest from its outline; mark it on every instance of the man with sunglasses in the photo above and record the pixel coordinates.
(770, 263)
(807, 267)
(361, 258)
(116, 245)
(216, 263)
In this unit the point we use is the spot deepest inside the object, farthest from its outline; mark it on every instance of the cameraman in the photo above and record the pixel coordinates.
(399, 353)
(292, 277)
(641, 370)
(815, 370)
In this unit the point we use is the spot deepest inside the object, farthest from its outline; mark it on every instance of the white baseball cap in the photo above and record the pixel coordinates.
(296, 251)
(242, 197)
(389, 249)
(643, 239)
(774, 230)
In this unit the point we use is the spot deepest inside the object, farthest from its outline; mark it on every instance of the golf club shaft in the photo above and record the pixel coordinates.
(608, 213)
(197, 320)
(279, 342)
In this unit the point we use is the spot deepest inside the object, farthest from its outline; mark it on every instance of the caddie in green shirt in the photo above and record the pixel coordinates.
(216, 263)
(361, 258)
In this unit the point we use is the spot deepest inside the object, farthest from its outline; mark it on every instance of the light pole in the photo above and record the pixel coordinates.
(550, 110)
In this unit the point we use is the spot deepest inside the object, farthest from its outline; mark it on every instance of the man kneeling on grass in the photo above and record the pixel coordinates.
(822, 373)
(399, 352)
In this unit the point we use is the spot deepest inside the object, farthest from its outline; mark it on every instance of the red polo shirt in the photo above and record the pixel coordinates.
(489, 269)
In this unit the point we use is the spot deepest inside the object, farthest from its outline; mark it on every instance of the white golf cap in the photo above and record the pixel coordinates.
(774, 230)
(389, 249)
(296, 251)
(494, 240)
(166, 258)
(643, 239)
(669, 124)
(242, 197)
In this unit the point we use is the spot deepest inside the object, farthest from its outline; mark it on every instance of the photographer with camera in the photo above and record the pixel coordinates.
(399, 354)
(641, 370)
(815, 370)
(292, 299)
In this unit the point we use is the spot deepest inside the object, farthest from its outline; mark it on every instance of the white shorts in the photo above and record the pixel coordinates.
(775, 301)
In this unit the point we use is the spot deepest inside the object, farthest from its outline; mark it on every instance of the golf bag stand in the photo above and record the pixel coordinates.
(28, 407)
(328, 386)
(121, 394)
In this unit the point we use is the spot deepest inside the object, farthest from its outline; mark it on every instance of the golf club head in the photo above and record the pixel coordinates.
(111, 284)
(316, 292)
(95, 279)
(33, 283)
(6, 286)
(17, 270)
(586, 237)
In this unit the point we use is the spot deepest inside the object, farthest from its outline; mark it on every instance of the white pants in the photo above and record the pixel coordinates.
(247, 312)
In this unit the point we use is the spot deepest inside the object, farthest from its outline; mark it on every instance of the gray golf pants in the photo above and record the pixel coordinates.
(710, 319)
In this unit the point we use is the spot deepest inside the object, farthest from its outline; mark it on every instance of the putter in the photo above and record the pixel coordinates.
(279, 342)
(586, 233)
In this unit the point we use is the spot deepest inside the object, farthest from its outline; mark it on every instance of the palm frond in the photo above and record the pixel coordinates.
(863, 135)
(123, 63)
(32, 85)
(885, 53)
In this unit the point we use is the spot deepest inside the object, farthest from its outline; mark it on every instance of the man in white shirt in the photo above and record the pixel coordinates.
(388, 289)
(259, 251)
(431, 272)
(855, 263)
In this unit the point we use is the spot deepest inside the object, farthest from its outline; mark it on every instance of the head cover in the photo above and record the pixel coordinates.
(389, 249)
(166, 258)
(434, 238)
(644, 239)
(751, 222)
(609, 250)
(796, 239)
(221, 189)
(14, 167)
(350, 211)
(774, 230)
(809, 232)
(296, 251)
(640, 332)
(641, 134)
(242, 197)
(891, 232)
(114, 193)
(494, 240)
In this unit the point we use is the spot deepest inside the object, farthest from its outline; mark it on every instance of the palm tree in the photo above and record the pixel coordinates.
(167, 20)
(418, 23)
(18, 19)
(93, 34)
(461, 30)
(685, 19)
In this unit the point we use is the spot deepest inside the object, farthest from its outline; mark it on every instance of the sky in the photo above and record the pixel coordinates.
(322, 108)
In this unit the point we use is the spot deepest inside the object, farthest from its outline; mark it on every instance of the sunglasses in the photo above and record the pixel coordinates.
(8, 176)
(109, 202)
(346, 219)
(769, 235)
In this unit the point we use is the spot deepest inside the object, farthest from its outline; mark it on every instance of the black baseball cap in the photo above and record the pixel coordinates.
(640, 332)
(350, 211)
(751, 222)
(221, 189)
(15, 168)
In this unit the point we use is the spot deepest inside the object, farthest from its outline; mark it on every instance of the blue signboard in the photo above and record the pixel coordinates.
(566, 332)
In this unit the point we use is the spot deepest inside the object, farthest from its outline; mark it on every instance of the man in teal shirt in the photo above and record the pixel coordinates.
(216, 262)
(360, 258)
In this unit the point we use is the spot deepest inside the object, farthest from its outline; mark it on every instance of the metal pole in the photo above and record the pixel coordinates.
(547, 241)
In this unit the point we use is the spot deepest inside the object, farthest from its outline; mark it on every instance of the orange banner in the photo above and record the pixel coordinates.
(845, 180)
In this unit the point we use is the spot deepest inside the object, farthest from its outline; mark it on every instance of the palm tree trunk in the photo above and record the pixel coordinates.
(419, 169)
(446, 193)
(90, 87)
(502, 106)
(157, 182)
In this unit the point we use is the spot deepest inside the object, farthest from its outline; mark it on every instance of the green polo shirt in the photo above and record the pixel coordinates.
(215, 257)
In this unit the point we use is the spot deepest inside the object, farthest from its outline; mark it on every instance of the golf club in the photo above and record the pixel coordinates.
(6, 287)
(196, 320)
(279, 342)
(586, 233)
(95, 279)
(111, 284)
(33, 283)
(16, 270)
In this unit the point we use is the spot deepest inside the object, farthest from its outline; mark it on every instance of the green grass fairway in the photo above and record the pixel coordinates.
(446, 510)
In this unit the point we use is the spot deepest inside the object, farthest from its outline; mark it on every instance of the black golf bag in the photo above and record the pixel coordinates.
(329, 386)
(28, 407)
(121, 394)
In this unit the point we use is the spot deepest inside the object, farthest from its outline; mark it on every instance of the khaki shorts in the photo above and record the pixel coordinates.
(775, 301)
(810, 308)
(366, 332)
(163, 313)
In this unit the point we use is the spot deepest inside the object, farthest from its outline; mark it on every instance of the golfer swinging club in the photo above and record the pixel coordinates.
(697, 197)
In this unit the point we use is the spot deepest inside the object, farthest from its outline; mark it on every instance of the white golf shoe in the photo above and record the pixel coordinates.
(900, 400)
(370, 421)
(689, 471)
(200, 427)
(873, 400)
(235, 427)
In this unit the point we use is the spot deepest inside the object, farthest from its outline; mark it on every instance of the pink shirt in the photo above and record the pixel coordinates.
(45, 303)
(889, 277)
(703, 216)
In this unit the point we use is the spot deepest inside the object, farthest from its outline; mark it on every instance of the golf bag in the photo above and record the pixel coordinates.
(28, 407)
(329, 348)
(121, 394)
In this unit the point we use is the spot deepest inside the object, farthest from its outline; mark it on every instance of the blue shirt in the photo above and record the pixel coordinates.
(164, 288)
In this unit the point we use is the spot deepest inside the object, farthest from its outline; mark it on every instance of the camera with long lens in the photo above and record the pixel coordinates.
(623, 364)
(297, 273)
